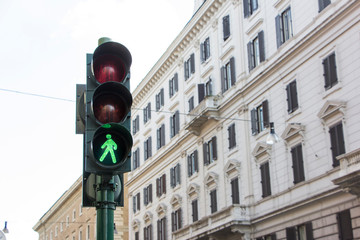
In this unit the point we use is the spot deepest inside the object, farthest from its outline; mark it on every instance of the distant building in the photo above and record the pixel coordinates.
(68, 220)
(202, 168)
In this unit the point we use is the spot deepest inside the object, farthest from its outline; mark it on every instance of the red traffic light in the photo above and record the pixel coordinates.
(111, 103)
(111, 62)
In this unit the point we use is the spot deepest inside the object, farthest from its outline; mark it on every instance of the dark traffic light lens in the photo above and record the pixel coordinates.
(109, 108)
(109, 68)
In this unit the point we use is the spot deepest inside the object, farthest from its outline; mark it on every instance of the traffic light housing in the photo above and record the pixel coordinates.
(108, 142)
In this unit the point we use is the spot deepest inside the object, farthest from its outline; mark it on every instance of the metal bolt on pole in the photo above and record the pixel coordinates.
(105, 206)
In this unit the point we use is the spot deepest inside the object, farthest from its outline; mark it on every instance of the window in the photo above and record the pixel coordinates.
(208, 88)
(194, 208)
(80, 235)
(176, 220)
(136, 158)
(161, 229)
(161, 185)
(265, 179)
(226, 27)
(175, 175)
(210, 151)
(204, 90)
(256, 51)
(231, 136)
(160, 135)
(213, 201)
(88, 232)
(235, 196)
(147, 148)
(298, 164)
(148, 232)
(267, 237)
(174, 124)
(159, 99)
(67, 221)
(173, 85)
(147, 195)
(323, 4)
(337, 142)
(283, 25)
(260, 118)
(191, 103)
(147, 113)
(250, 7)
(292, 97)
(205, 50)
(137, 236)
(228, 77)
(136, 202)
(193, 163)
(345, 225)
(136, 124)
(189, 66)
(300, 232)
(330, 74)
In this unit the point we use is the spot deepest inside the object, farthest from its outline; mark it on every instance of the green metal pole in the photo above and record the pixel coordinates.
(105, 206)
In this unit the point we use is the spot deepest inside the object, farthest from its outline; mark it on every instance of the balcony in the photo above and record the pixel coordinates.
(206, 110)
(349, 179)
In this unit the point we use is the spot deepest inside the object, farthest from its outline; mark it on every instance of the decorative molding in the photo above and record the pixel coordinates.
(193, 190)
(175, 201)
(261, 152)
(211, 180)
(232, 168)
(161, 210)
(293, 130)
(332, 109)
(147, 218)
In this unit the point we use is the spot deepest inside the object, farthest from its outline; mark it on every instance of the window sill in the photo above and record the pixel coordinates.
(333, 89)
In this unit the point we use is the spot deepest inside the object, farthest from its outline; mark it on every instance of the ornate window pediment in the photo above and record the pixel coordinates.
(332, 111)
(261, 152)
(193, 190)
(211, 180)
(293, 131)
(232, 168)
(161, 210)
(147, 218)
(135, 225)
(175, 201)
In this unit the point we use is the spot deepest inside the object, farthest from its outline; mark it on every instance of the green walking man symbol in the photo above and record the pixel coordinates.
(110, 146)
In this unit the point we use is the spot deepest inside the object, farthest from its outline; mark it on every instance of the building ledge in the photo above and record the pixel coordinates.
(349, 179)
(206, 110)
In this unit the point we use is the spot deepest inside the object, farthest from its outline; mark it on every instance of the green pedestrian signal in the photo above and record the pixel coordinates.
(109, 147)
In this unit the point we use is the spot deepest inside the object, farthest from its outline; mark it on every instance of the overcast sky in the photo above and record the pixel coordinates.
(43, 50)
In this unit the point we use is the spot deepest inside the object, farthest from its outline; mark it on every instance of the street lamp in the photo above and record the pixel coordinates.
(272, 137)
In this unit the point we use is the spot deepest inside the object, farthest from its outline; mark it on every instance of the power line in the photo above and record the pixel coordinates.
(35, 95)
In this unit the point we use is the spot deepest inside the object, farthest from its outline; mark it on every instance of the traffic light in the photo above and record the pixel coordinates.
(108, 103)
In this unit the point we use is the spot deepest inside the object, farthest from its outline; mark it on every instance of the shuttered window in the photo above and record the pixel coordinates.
(250, 7)
(231, 136)
(194, 207)
(256, 51)
(136, 158)
(330, 74)
(189, 66)
(337, 142)
(175, 177)
(283, 24)
(161, 185)
(213, 201)
(147, 148)
(174, 124)
(226, 27)
(260, 118)
(210, 151)
(205, 50)
(176, 220)
(148, 194)
(345, 225)
(148, 232)
(173, 85)
(265, 179)
(159, 99)
(297, 164)
(161, 229)
(160, 136)
(292, 98)
(193, 163)
(228, 76)
(235, 196)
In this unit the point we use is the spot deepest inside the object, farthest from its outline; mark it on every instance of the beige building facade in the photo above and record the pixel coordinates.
(202, 165)
(68, 220)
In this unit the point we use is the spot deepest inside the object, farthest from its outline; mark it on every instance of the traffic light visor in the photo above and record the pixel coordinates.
(111, 62)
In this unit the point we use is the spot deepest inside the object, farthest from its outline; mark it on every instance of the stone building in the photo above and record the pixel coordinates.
(238, 71)
(68, 220)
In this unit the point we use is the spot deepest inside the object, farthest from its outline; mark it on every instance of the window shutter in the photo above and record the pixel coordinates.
(179, 218)
(278, 31)
(298, 165)
(261, 45)
(321, 5)
(149, 147)
(226, 27)
(162, 97)
(157, 101)
(173, 223)
(288, 94)
(222, 71)
(158, 137)
(158, 187)
(265, 179)
(254, 122)
(250, 55)
(189, 165)
(246, 8)
(202, 53)
(138, 201)
(265, 105)
(333, 75)
(214, 147)
(177, 122)
(145, 196)
(192, 62)
(344, 225)
(340, 134)
(172, 127)
(164, 183)
(196, 161)
(176, 82)
(172, 177)
(145, 150)
(207, 48)
(326, 73)
(171, 88)
(163, 135)
(201, 92)
(186, 70)
(205, 152)
(145, 114)
(291, 233)
(233, 73)
(150, 192)
(309, 231)
(178, 174)
(294, 98)
(134, 204)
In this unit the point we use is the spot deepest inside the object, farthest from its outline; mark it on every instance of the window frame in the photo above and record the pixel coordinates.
(283, 25)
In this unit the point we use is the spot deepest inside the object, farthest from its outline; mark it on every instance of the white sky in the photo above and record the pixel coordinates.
(43, 49)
